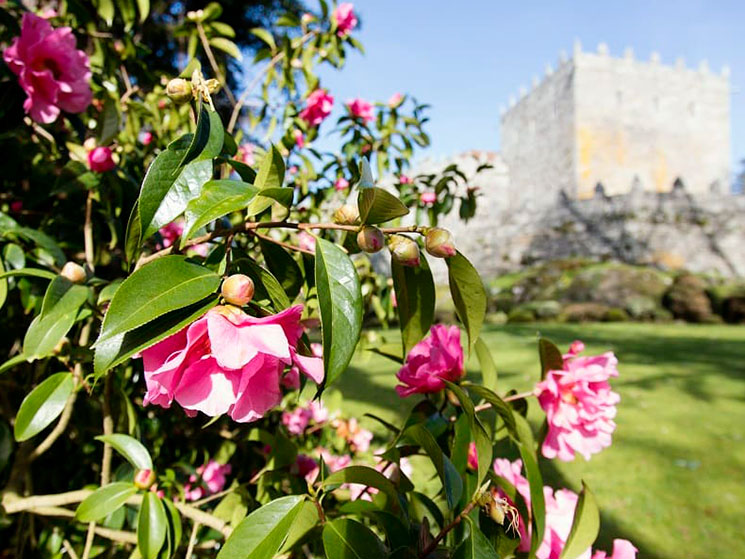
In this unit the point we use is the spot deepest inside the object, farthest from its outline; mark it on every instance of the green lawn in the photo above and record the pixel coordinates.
(673, 482)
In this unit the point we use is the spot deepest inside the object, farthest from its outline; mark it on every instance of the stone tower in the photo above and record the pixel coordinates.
(599, 123)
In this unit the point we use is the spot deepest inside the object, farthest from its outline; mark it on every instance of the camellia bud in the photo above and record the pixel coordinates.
(179, 90)
(144, 478)
(74, 272)
(346, 215)
(370, 239)
(238, 289)
(404, 250)
(439, 243)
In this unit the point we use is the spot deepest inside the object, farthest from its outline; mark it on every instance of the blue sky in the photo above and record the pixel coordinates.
(466, 58)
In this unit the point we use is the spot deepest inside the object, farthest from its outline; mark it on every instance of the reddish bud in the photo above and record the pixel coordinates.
(404, 250)
(74, 272)
(370, 239)
(179, 90)
(101, 159)
(144, 478)
(439, 243)
(346, 215)
(238, 289)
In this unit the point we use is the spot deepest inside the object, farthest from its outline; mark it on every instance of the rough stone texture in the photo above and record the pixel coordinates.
(618, 124)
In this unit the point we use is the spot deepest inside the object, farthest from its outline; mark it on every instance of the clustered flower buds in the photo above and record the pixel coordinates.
(439, 243)
(238, 289)
(74, 272)
(144, 479)
(346, 215)
(370, 239)
(404, 250)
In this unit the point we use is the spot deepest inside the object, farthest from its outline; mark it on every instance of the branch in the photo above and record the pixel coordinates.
(213, 62)
(512, 398)
(88, 232)
(250, 226)
(115, 535)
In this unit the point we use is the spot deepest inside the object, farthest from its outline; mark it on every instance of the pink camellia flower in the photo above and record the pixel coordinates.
(359, 438)
(305, 466)
(169, 233)
(395, 100)
(403, 179)
(317, 107)
(473, 456)
(100, 159)
(291, 379)
(227, 362)
(341, 184)
(345, 18)
(359, 108)
(299, 138)
(16, 206)
(622, 549)
(318, 412)
(579, 405)
(296, 421)
(212, 475)
(437, 357)
(52, 72)
(147, 138)
(306, 241)
(575, 348)
(428, 198)
(245, 154)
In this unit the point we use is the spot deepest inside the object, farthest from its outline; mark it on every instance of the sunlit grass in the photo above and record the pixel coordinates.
(674, 480)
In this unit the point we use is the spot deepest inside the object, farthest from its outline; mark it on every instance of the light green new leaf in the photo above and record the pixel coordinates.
(378, 206)
(152, 525)
(227, 46)
(345, 538)
(117, 349)
(271, 174)
(218, 198)
(263, 532)
(133, 450)
(366, 177)
(143, 6)
(340, 303)
(585, 526)
(159, 287)
(415, 293)
(42, 405)
(469, 295)
(104, 501)
(265, 36)
(451, 480)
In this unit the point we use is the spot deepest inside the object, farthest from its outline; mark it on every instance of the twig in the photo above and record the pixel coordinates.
(115, 535)
(512, 398)
(69, 549)
(88, 232)
(213, 62)
(253, 225)
(283, 244)
(250, 87)
(444, 532)
(192, 540)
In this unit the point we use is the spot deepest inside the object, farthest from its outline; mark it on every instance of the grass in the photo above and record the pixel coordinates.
(673, 482)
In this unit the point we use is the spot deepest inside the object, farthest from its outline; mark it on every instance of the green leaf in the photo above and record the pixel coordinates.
(265, 36)
(502, 408)
(469, 295)
(12, 362)
(217, 198)
(378, 206)
(106, 10)
(415, 293)
(42, 405)
(364, 475)
(133, 450)
(451, 480)
(152, 525)
(165, 191)
(265, 283)
(283, 266)
(261, 534)
(305, 521)
(475, 546)
(340, 302)
(366, 177)
(30, 272)
(208, 137)
(62, 296)
(104, 501)
(174, 533)
(227, 46)
(143, 6)
(108, 121)
(551, 357)
(488, 368)
(117, 349)
(345, 538)
(478, 432)
(526, 446)
(585, 526)
(271, 174)
(159, 287)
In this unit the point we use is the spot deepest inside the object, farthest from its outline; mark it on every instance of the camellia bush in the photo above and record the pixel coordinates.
(184, 277)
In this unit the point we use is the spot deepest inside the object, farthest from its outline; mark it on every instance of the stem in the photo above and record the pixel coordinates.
(521, 396)
(250, 226)
(250, 87)
(444, 532)
(288, 246)
(192, 540)
(88, 231)
(213, 62)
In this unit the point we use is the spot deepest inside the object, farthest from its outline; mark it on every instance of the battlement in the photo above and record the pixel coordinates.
(598, 120)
